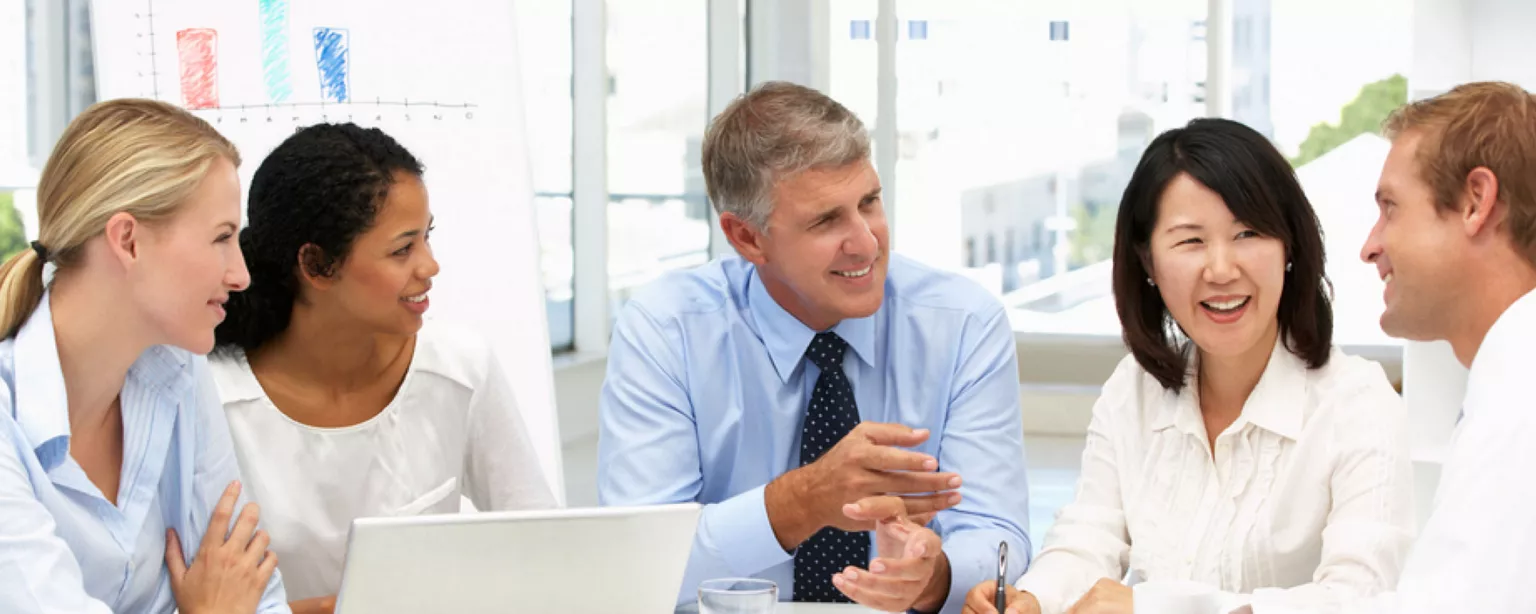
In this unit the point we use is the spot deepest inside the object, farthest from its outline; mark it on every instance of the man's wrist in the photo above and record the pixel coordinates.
(790, 518)
(937, 592)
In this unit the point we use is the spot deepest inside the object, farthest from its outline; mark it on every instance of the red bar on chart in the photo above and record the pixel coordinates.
(197, 53)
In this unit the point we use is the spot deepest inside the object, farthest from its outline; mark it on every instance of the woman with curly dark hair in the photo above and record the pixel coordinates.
(342, 402)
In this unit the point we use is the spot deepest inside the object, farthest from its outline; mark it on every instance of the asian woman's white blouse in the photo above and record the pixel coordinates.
(1306, 501)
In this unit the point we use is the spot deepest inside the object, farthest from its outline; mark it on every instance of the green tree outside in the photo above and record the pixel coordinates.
(1093, 238)
(13, 236)
(1364, 114)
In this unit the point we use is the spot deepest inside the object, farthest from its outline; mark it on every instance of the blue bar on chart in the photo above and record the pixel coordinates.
(331, 58)
(274, 49)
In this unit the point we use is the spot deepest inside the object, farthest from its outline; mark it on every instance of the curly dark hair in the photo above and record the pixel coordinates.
(321, 187)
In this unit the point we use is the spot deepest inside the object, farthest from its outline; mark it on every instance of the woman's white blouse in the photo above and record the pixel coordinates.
(453, 428)
(1307, 500)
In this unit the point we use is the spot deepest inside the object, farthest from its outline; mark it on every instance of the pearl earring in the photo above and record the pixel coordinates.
(1287, 267)
(1151, 283)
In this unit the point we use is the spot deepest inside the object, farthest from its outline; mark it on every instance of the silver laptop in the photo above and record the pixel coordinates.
(600, 560)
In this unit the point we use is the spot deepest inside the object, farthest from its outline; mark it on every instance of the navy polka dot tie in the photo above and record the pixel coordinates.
(829, 418)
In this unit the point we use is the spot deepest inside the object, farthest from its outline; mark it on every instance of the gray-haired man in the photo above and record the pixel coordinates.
(850, 418)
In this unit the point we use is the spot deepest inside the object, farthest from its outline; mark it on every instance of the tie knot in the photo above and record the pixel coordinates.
(826, 351)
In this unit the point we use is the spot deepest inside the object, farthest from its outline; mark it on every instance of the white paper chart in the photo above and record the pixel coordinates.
(441, 76)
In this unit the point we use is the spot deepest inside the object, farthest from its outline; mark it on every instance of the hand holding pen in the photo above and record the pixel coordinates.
(998, 596)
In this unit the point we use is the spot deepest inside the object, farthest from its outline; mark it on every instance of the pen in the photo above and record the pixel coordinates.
(1002, 572)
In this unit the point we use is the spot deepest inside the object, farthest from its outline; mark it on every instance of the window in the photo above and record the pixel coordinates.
(46, 78)
(1060, 31)
(917, 30)
(1039, 145)
(1310, 72)
(658, 214)
(852, 57)
(860, 29)
(544, 32)
(1038, 148)
(16, 170)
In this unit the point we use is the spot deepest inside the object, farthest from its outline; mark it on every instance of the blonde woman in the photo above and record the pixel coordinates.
(119, 488)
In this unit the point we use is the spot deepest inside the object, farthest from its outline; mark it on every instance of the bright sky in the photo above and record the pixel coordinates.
(1322, 51)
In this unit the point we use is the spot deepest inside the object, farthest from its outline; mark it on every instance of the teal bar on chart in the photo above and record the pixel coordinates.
(274, 49)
